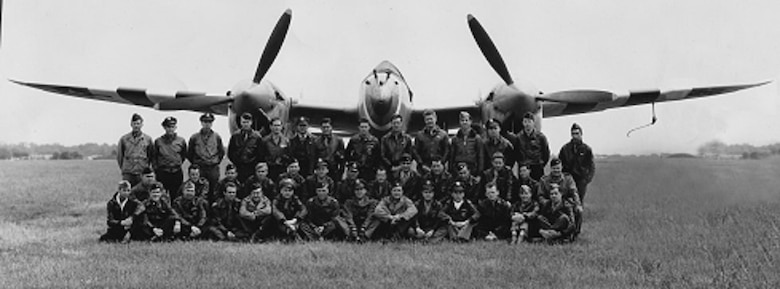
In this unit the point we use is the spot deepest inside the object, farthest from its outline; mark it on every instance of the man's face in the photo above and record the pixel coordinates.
(137, 125)
(437, 168)
(360, 192)
(396, 192)
(528, 124)
(464, 174)
(491, 193)
(352, 174)
(230, 193)
(170, 130)
(326, 128)
(364, 128)
(246, 124)
(303, 128)
(231, 174)
(396, 124)
(381, 176)
(406, 165)
(148, 178)
(498, 163)
(155, 194)
(124, 192)
(262, 172)
(427, 195)
(257, 194)
(287, 192)
(430, 121)
(194, 174)
(525, 193)
(206, 124)
(494, 132)
(465, 123)
(457, 195)
(293, 168)
(525, 173)
(321, 171)
(276, 126)
(322, 193)
(189, 192)
(556, 170)
(555, 195)
(576, 134)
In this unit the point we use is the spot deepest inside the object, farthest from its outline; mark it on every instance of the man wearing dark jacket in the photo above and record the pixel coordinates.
(532, 147)
(246, 148)
(124, 214)
(577, 160)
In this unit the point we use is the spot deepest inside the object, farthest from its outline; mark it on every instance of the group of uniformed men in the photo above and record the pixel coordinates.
(307, 187)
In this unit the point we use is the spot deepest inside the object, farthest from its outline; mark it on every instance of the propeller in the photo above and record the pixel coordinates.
(489, 49)
(273, 45)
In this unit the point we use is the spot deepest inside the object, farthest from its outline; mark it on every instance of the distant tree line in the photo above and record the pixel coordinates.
(718, 148)
(57, 151)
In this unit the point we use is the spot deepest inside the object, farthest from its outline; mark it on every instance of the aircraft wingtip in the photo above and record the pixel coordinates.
(470, 17)
(288, 11)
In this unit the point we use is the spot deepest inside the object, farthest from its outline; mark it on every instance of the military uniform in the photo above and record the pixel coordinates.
(345, 190)
(201, 188)
(192, 213)
(502, 145)
(410, 181)
(381, 224)
(569, 196)
(276, 148)
(245, 151)
(286, 209)
(365, 151)
(441, 185)
(221, 186)
(430, 218)
(158, 214)
(524, 218)
(256, 217)
(467, 148)
(331, 149)
(393, 146)
(223, 218)
(465, 211)
(357, 213)
(311, 183)
(299, 187)
(494, 216)
(134, 153)
(119, 210)
(577, 160)
(556, 217)
(140, 192)
(505, 180)
(324, 213)
(303, 148)
(170, 151)
(533, 149)
(429, 143)
(207, 150)
(378, 190)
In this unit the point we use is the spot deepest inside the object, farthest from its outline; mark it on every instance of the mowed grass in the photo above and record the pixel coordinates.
(649, 223)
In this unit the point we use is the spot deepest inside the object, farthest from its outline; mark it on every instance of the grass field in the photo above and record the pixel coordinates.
(649, 223)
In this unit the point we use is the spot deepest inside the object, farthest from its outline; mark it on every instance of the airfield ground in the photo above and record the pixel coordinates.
(649, 223)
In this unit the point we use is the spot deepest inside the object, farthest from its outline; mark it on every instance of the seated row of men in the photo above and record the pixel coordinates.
(311, 209)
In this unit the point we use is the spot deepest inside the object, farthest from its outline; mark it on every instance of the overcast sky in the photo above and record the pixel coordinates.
(208, 46)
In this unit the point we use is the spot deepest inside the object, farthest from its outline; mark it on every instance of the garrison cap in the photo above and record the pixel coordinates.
(169, 121)
(246, 115)
(352, 166)
(406, 157)
(529, 115)
(576, 126)
(462, 166)
(207, 117)
(156, 186)
(498, 155)
(147, 171)
(396, 184)
(427, 185)
(359, 184)
(491, 123)
(303, 121)
(136, 117)
(322, 163)
(555, 161)
(322, 185)
(230, 167)
(458, 187)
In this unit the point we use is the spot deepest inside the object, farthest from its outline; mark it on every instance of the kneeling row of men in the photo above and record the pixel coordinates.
(257, 218)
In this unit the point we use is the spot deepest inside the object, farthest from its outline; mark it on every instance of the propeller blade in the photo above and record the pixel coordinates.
(192, 102)
(489, 49)
(273, 45)
(578, 96)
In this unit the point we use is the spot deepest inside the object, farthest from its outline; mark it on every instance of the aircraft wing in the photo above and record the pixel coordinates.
(344, 120)
(192, 101)
(586, 101)
(447, 117)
